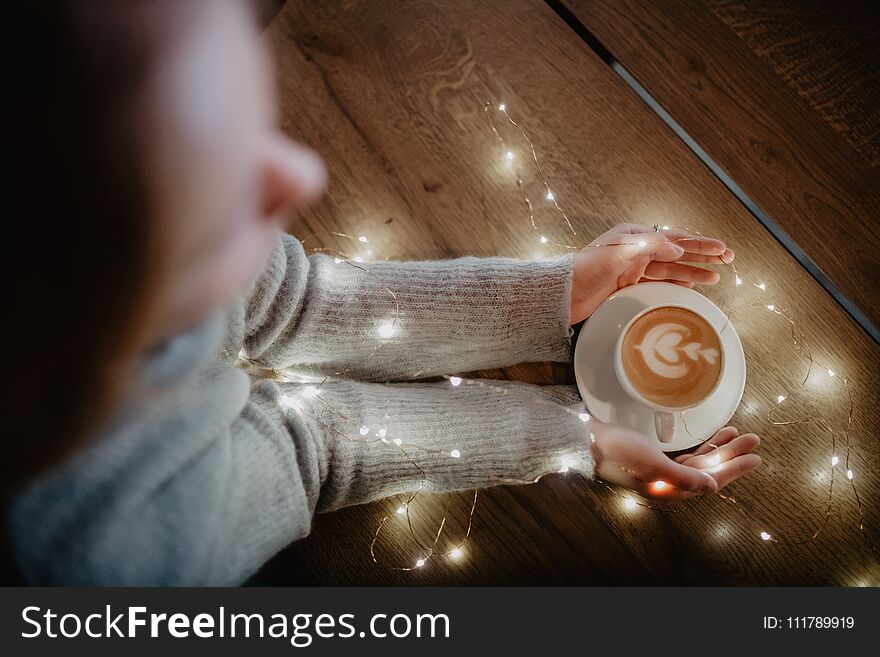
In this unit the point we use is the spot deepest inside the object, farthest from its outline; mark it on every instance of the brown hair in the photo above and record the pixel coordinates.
(84, 266)
(78, 269)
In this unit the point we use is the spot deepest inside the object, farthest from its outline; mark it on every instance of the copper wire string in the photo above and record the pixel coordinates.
(355, 427)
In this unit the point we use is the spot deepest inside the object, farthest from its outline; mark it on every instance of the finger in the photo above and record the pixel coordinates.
(679, 272)
(645, 460)
(649, 491)
(633, 229)
(736, 468)
(698, 244)
(661, 490)
(701, 245)
(724, 259)
(646, 489)
(613, 473)
(640, 241)
(624, 234)
(682, 283)
(740, 445)
(721, 437)
(634, 245)
(647, 244)
(663, 251)
(665, 472)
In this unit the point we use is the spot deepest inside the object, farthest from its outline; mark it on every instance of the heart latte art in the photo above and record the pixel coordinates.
(672, 357)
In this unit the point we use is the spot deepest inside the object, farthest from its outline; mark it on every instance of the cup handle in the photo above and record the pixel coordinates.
(664, 425)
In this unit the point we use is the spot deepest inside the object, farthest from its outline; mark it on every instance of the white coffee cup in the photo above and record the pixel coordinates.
(666, 418)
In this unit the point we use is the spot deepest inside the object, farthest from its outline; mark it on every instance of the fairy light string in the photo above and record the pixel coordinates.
(361, 432)
(797, 337)
(509, 155)
(357, 430)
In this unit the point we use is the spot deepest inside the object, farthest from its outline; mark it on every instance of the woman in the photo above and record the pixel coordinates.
(140, 456)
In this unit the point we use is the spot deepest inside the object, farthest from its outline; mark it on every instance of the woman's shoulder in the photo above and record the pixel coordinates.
(73, 524)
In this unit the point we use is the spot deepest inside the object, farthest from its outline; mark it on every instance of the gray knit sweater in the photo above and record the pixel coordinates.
(203, 474)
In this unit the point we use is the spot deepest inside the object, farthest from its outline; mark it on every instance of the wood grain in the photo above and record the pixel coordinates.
(826, 52)
(764, 93)
(392, 93)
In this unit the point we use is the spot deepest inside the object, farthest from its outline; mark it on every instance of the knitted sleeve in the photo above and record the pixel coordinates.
(367, 441)
(206, 484)
(401, 320)
(292, 454)
(207, 474)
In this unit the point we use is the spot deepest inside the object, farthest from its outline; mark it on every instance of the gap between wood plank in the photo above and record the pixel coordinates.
(584, 33)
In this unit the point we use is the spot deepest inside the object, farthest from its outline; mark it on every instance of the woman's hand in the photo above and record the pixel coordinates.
(642, 254)
(633, 460)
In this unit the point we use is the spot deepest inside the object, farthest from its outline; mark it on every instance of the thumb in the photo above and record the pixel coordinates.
(682, 477)
(665, 251)
(653, 246)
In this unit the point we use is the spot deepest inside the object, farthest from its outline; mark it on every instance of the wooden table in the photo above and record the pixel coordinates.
(785, 96)
(392, 93)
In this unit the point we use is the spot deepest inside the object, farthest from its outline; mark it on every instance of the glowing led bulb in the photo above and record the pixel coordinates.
(381, 433)
(659, 485)
(363, 239)
(455, 554)
(401, 510)
(830, 372)
(509, 155)
(397, 441)
(358, 259)
(849, 474)
(550, 196)
(455, 380)
(337, 260)
(834, 461)
(780, 399)
(502, 107)
(771, 307)
(665, 227)
(387, 330)
(455, 454)
(629, 503)
(309, 392)
(761, 286)
(739, 281)
(584, 417)
(420, 563)
(765, 536)
(642, 243)
(566, 464)
(364, 430)
(544, 240)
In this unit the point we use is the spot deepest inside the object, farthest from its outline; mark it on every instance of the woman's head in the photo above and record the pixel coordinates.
(224, 173)
(154, 178)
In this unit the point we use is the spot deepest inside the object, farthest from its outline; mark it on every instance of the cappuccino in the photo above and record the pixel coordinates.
(672, 357)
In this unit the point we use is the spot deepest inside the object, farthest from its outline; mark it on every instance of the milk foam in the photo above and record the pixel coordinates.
(664, 353)
(672, 357)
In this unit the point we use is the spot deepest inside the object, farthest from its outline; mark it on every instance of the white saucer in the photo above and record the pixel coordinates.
(608, 402)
